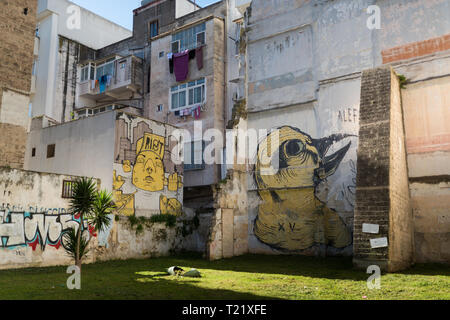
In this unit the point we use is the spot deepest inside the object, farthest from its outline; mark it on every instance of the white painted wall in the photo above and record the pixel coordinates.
(95, 31)
(83, 148)
(53, 15)
(184, 7)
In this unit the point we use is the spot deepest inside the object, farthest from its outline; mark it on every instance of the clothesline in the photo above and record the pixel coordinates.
(102, 83)
(179, 62)
(195, 112)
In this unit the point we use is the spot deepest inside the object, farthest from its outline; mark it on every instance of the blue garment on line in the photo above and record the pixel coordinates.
(103, 81)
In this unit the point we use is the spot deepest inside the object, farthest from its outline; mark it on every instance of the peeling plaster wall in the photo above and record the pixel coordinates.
(304, 64)
(427, 119)
(33, 217)
(125, 151)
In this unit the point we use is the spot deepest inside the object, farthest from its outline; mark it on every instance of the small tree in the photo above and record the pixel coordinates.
(91, 206)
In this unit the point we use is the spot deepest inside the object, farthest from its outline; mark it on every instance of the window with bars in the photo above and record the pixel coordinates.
(188, 94)
(67, 190)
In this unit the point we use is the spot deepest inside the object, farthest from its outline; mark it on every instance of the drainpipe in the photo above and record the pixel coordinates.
(66, 80)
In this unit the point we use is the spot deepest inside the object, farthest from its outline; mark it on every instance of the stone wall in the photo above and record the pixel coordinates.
(229, 225)
(17, 25)
(382, 195)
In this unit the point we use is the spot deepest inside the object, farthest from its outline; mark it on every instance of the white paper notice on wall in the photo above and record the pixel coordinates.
(371, 228)
(379, 243)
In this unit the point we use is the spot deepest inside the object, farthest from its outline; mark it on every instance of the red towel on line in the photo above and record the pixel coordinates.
(199, 57)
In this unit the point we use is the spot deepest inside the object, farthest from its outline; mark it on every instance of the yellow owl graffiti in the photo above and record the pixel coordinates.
(291, 217)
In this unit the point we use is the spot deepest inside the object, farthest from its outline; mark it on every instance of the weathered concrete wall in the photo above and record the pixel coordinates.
(304, 72)
(382, 193)
(145, 179)
(401, 222)
(133, 158)
(229, 226)
(18, 22)
(427, 119)
(76, 144)
(33, 219)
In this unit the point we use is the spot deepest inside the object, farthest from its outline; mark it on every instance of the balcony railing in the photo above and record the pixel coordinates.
(120, 77)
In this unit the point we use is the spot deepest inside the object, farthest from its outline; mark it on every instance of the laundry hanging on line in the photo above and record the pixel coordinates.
(181, 65)
(195, 112)
(103, 82)
(199, 57)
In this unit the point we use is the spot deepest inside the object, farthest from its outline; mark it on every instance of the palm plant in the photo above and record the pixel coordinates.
(91, 206)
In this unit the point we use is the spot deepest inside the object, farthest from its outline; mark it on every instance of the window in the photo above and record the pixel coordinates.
(67, 190)
(51, 151)
(161, 54)
(81, 114)
(188, 94)
(33, 152)
(87, 73)
(189, 39)
(193, 155)
(160, 108)
(154, 28)
(105, 69)
(200, 39)
(176, 46)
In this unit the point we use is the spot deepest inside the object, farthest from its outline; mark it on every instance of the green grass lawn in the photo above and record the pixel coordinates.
(247, 277)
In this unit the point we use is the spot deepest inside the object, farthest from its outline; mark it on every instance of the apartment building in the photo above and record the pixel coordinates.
(65, 35)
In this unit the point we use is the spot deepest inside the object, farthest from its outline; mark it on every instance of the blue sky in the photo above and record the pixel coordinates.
(120, 11)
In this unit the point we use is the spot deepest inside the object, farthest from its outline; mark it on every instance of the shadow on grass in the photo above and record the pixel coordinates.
(432, 269)
(338, 268)
(188, 289)
(329, 268)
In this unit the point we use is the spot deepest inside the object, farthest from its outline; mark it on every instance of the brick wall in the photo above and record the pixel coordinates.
(17, 43)
(17, 30)
(382, 196)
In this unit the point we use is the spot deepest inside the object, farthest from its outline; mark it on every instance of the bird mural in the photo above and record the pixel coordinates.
(291, 217)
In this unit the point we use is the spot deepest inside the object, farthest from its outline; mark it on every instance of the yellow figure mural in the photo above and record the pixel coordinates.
(148, 171)
(147, 174)
(291, 217)
(124, 202)
(170, 206)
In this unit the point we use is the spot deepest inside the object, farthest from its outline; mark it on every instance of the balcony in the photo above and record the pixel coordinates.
(125, 79)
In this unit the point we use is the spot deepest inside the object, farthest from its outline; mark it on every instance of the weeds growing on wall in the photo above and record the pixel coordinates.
(403, 81)
(140, 223)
